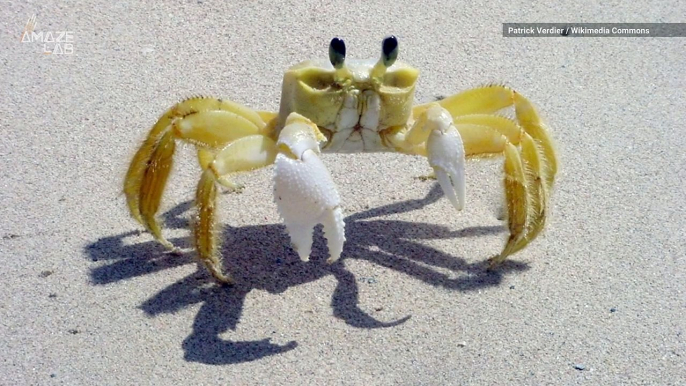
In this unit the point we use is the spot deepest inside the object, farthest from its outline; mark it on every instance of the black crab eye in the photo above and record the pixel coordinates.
(337, 52)
(389, 49)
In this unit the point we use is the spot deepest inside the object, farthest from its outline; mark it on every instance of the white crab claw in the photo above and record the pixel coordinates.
(304, 191)
(446, 155)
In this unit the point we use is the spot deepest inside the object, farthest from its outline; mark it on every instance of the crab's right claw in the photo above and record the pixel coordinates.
(304, 191)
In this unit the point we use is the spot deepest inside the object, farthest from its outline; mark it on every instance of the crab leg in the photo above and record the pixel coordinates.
(208, 123)
(244, 154)
(444, 150)
(477, 105)
(151, 186)
(528, 189)
(304, 191)
(529, 171)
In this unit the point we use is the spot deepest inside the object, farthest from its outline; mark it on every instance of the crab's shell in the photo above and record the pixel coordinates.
(310, 89)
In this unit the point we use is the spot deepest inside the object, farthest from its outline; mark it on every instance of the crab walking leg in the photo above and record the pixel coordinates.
(529, 170)
(206, 122)
(527, 195)
(244, 154)
(490, 99)
(480, 100)
(472, 127)
(152, 185)
(518, 200)
(538, 193)
(444, 150)
(205, 158)
(534, 126)
(304, 191)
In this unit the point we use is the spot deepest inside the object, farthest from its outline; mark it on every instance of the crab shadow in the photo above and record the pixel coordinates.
(260, 257)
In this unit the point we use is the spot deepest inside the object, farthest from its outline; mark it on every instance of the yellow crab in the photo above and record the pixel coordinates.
(339, 106)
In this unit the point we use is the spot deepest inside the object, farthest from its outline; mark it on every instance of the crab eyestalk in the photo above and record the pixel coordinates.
(389, 54)
(337, 58)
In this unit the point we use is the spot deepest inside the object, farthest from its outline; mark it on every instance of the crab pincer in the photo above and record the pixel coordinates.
(444, 151)
(304, 191)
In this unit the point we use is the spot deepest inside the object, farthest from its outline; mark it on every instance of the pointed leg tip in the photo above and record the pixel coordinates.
(225, 281)
(332, 260)
(220, 278)
(171, 248)
(496, 261)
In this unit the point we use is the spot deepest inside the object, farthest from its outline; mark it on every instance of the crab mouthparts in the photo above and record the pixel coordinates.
(357, 125)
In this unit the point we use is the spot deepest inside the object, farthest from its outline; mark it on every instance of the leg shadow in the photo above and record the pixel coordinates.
(260, 257)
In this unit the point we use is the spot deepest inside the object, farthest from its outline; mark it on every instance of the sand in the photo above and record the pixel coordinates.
(88, 298)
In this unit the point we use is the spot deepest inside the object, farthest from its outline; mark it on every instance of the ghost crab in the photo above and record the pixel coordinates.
(339, 106)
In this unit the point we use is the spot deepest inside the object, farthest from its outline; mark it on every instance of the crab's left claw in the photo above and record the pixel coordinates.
(444, 150)
(304, 191)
